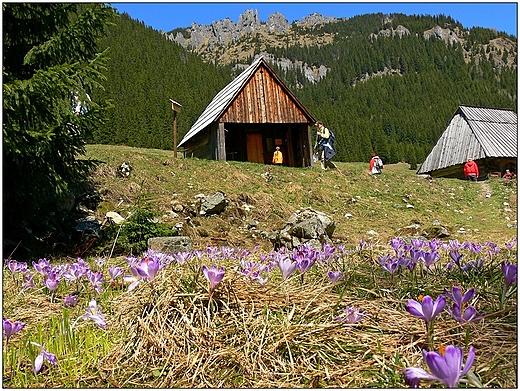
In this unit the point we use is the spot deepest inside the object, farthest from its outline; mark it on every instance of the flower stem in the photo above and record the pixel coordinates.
(429, 334)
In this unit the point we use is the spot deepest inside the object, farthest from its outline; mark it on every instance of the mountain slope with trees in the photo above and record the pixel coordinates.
(393, 93)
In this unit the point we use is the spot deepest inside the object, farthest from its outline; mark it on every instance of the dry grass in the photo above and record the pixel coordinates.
(282, 334)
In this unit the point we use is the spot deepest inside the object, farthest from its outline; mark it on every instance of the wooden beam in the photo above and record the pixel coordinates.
(221, 142)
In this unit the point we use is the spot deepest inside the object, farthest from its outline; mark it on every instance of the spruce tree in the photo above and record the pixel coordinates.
(50, 64)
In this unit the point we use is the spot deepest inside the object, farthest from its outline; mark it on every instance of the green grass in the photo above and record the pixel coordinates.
(280, 334)
(375, 203)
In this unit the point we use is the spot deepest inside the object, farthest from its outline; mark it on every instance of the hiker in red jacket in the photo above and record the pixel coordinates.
(471, 170)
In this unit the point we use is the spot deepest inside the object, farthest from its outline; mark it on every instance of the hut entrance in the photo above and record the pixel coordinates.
(255, 148)
(256, 143)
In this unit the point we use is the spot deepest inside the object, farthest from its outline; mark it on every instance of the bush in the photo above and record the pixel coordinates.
(141, 225)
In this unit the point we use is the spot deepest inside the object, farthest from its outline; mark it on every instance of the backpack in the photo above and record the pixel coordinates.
(332, 138)
(378, 163)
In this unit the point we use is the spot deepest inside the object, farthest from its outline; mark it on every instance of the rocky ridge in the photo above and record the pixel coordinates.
(226, 42)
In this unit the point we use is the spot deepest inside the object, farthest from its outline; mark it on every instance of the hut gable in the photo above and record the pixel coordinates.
(249, 117)
(488, 136)
(264, 99)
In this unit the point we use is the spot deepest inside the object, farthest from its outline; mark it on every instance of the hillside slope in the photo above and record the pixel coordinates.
(363, 207)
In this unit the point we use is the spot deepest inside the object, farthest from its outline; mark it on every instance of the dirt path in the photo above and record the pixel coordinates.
(486, 189)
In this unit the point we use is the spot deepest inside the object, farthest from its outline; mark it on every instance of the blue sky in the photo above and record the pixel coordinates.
(169, 15)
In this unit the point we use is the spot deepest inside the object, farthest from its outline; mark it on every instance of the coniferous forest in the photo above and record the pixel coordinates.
(400, 113)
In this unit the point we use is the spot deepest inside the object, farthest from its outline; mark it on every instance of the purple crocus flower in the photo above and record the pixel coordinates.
(212, 252)
(351, 316)
(28, 282)
(115, 272)
(242, 254)
(456, 257)
(454, 244)
(458, 297)
(434, 244)
(214, 275)
(51, 282)
(147, 268)
(511, 244)
(509, 270)
(446, 368)
(93, 312)
(388, 263)
(183, 257)
(304, 257)
(396, 244)
(406, 262)
(17, 267)
(287, 267)
(335, 276)
(427, 309)
(43, 356)
(417, 244)
(96, 279)
(253, 271)
(42, 266)
(416, 255)
(11, 327)
(163, 258)
(75, 272)
(462, 315)
(475, 248)
(472, 265)
(327, 255)
(430, 258)
(70, 301)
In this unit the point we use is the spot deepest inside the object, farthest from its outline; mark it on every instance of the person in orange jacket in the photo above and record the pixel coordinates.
(471, 170)
(278, 157)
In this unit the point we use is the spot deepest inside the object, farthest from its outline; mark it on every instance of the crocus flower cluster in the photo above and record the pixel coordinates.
(408, 256)
(51, 277)
(254, 270)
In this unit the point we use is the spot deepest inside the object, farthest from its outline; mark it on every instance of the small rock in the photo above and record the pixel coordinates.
(170, 244)
(114, 217)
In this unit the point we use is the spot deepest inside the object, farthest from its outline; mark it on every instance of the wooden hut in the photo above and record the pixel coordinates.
(488, 136)
(250, 117)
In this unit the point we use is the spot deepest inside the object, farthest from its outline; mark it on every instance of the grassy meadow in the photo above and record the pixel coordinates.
(265, 325)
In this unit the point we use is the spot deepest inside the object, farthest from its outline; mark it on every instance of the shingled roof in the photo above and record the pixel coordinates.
(477, 133)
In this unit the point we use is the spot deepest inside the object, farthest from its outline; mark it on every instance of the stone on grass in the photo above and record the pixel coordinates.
(212, 204)
(170, 244)
(305, 226)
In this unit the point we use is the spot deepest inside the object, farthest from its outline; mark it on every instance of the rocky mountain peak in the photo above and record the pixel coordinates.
(276, 23)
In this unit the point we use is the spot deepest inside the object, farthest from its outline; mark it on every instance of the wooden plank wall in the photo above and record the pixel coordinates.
(262, 100)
